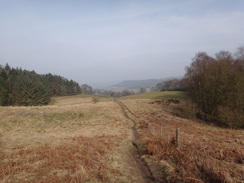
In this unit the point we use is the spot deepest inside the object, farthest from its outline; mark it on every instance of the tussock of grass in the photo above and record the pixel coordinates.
(95, 99)
(52, 101)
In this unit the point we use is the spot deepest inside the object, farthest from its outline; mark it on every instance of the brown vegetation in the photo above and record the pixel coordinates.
(70, 141)
(75, 140)
(81, 159)
(216, 86)
(206, 153)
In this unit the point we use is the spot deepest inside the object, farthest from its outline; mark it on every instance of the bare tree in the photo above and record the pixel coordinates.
(142, 90)
(240, 53)
(216, 85)
(86, 89)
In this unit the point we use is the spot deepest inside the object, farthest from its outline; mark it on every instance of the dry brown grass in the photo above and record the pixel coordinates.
(206, 153)
(77, 140)
(80, 159)
(73, 140)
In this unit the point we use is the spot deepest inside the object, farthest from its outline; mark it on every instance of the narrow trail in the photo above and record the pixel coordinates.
(144, 169)
(129, 115)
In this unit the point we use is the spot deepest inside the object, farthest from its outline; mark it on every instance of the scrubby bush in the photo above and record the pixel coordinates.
(216, 85)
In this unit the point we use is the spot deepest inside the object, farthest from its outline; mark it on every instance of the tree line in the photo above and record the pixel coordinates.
(88, 90)
(27, 88)
(216, 86)
(168, 85)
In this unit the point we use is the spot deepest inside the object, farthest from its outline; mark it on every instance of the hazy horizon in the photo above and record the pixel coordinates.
(104, 41)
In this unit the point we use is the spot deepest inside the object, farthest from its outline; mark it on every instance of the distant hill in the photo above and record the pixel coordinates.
(103, 85)
(137, 84)
(132, 85)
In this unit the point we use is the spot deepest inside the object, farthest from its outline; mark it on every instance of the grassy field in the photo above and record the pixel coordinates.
(74, 140)
(158, 95)
(79, 139)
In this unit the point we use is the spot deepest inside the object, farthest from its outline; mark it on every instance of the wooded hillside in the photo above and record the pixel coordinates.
(26, 88)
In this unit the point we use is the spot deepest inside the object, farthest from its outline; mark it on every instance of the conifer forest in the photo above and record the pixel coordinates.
(20, 87)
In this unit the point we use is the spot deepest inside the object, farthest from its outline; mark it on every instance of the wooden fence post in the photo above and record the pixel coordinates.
(177, 142)
(194, 113)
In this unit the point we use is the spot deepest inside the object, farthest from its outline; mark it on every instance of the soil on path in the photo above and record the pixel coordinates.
(144, 169)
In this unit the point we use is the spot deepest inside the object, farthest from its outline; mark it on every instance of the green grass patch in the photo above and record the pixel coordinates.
(158, 95)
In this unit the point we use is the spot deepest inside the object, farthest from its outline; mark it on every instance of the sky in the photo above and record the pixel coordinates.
(93, 41)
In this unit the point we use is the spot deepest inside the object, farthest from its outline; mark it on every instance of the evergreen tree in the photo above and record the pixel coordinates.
(22, 87)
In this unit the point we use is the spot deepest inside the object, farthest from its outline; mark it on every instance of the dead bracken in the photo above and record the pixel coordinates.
(81, 159)
(75, 140)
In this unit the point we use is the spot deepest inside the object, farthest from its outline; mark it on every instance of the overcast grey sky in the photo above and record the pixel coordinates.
(107, 40)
